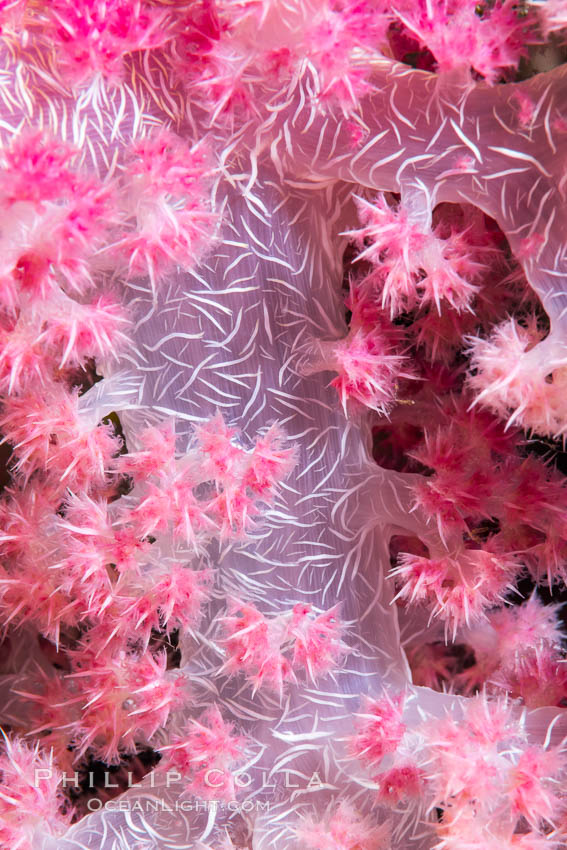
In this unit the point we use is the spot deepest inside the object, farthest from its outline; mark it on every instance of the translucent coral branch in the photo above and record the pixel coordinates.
(463, 146)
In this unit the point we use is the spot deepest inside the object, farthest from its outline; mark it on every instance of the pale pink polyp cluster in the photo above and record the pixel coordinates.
(94, 37)
(108, 565)
(496, 512)
(331, 40)
(475, 250)
(489, 38)
(268, 462)
(412, 266)
(56, 221)
(50, 434)
(206, 753)
(65, 231)
(341, 827)
(30, 795)
(113, 702)
(380, 729)
(219, 49)
(487, 779)
(170, 220)
(460, 588)
(378, 745)
(518, 650)
(75, 559)
(84, 561)
(368, 370)
(57, 334)
(57, 245)
(271, 650)
(520, 380)
(370, 362)
(174, 602)
(447, 277)
(492, 789)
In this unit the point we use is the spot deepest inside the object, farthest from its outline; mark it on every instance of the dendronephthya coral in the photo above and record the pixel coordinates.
(283, 381)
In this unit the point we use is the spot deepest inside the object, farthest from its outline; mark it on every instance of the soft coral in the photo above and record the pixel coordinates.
(93, 37)
(462, 34)
(31, 798)
(411, 265)
(168, 206)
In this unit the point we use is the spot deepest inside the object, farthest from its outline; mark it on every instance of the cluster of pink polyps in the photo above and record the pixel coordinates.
(282, 408)
(261, 648)
(104, 542)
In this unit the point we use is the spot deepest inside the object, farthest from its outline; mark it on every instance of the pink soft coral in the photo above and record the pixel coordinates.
(462, 34)
(369, 362)
(124, 699)
(260, 646)
(379, 729)
(411, 265)
(460, 588)
(342, 828)
(206, 754)
(59, 218)
(318, 647)
(50, 433)
(367, 371)
(337, 32)
(485, 778)
(515, 649)
(220, 49)
(171, 221)
(520, 380)
(93, 37)
(31, 797)
(254, 646)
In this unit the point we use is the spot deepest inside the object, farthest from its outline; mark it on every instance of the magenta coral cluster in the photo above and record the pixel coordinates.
(283, 372)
